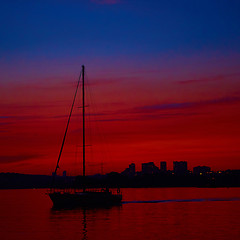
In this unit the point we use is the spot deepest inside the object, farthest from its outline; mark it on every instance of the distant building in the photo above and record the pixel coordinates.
(130, 171)
(180, 168)
(201, 170)
(149, 168)
(163, 166)
(132, 168)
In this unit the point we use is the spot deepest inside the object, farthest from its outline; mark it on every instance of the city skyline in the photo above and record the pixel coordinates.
(150, 175)
(131, 170)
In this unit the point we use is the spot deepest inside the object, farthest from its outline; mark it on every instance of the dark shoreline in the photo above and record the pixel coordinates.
(229, 178)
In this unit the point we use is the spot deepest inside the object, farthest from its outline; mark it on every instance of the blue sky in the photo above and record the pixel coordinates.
(61, 28)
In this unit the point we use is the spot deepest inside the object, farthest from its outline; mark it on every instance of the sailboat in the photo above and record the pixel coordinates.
(84, 197)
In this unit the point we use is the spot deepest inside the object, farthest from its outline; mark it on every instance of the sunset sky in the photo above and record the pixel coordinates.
(163, 83)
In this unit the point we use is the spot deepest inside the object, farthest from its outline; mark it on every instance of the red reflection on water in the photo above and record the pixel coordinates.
(27, 214)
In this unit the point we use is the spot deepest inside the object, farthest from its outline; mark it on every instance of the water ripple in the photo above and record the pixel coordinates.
(185, 200)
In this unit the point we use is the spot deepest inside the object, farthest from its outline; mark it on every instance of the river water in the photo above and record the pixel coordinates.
(147, 213)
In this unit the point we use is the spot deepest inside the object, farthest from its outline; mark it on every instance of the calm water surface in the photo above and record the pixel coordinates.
(160, 213)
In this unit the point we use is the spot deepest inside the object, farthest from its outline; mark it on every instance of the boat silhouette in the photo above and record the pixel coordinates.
(81, 197)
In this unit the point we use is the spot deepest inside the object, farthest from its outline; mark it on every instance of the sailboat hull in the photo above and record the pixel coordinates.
(84, 199)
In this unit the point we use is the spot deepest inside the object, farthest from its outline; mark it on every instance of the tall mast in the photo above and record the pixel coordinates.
(83, 116)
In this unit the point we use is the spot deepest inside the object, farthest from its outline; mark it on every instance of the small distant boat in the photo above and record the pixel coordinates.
(68, 198)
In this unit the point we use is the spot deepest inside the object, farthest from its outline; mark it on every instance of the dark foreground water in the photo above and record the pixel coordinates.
(160, 213)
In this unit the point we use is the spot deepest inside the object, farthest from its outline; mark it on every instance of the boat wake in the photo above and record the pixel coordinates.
(185, 200)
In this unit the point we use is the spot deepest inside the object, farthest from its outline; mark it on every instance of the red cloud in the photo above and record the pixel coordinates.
(208, 79)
